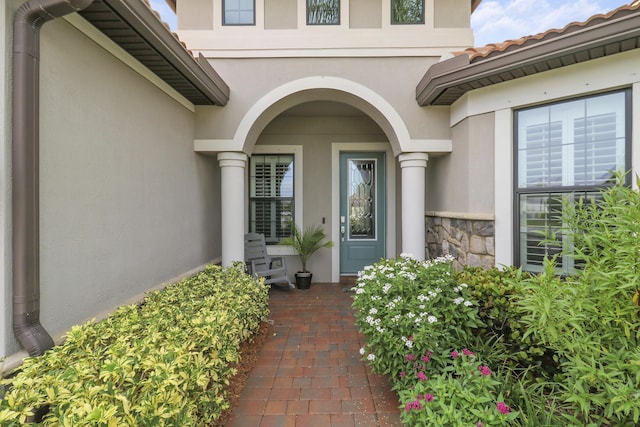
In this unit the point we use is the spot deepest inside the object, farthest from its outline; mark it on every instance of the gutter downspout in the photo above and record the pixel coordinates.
(28, 20)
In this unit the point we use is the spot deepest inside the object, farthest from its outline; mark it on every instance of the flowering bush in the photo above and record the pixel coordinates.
(408, 305)
(463, 393)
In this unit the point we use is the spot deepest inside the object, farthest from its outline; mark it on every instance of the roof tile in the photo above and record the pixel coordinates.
(493, 49)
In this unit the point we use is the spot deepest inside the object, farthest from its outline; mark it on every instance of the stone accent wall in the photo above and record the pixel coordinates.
(470, 241)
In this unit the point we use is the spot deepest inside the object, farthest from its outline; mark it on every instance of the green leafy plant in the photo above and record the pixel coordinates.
(408, 305)
(165, 361)
(464, 392)
(494, 290)
(591, 319)
(307, 242)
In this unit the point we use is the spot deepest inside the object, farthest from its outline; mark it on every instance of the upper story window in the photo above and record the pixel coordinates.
(565, 151)
(239, 12)
(271, 195)
(323, 12)
(407, 11)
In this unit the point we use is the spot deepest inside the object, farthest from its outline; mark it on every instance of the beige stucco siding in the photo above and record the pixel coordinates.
(463, 181)
(365, 14)
(196, 14)
(452, 14)
(280, 14)
(125, 202)
(391, 78)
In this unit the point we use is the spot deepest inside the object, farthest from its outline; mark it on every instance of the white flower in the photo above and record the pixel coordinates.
(409, 344)
(386, 287)
(407, 256)
(411, 315)
(380, 329)
(371, 356)
(421, 306)
(458, 301)
(464, 285)
(468, 303)
(362, 351)
(391, 305)
(432, 319)
(359, 291)
(373, 310)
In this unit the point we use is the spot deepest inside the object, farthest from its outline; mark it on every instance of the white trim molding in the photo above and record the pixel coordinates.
(503, 187)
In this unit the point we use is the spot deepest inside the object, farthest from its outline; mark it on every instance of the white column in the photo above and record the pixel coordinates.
(232, 177)
(414, 167)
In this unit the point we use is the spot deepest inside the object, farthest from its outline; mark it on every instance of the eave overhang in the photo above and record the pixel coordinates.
(138, 30)
(446, 81)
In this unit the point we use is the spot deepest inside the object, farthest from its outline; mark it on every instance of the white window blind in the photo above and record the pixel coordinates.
(565, 151)
(271, 197)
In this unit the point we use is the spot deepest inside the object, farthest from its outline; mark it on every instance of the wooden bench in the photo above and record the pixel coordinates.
(260, 264)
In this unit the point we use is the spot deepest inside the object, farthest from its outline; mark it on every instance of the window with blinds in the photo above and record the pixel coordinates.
(271, 196)
(238, 12)
(564, 152)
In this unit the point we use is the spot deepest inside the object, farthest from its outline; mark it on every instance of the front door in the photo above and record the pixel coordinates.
(362, 210)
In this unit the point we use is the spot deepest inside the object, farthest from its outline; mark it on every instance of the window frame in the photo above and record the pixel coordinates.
(394, 22)
(242, 24)
(566, 266)
(313, 24)
(271, 198)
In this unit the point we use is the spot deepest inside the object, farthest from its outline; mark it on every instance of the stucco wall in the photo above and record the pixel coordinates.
(196, 14)
(392, 78)
(365, 14)
(463, 181)
(452, 14)
(125, 203)
(280, 14)
(316, 134)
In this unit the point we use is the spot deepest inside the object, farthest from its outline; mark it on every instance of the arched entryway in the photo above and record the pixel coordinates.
(255, 131)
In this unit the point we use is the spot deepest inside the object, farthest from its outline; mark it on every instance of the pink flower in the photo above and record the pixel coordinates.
(479, 424)
(422, 376)
(466, 352)
(409, 357)
(428, 397)
(412, 405)
(426, 358)
(503, 408)
(484, 370)
(454, 354)
(402, 374)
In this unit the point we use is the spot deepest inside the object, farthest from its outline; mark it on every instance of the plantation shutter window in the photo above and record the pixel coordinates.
(564, 152)
(271, 195)
(238, 12)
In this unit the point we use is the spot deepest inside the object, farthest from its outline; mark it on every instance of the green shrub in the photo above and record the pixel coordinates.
(494, 290)
(592, 319)
(164, 361)
(403, 304)
(464, 392)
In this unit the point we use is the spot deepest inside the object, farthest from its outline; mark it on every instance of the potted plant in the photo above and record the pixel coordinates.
(306, 243)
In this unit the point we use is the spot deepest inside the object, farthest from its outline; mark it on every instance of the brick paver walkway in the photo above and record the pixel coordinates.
(309, 373)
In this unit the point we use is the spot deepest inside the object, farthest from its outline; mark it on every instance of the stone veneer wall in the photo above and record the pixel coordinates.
(468, 238)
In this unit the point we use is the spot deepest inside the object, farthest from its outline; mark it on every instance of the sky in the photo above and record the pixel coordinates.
(498, 20)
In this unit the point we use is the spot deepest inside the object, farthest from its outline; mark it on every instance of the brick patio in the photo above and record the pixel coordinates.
(309, 373)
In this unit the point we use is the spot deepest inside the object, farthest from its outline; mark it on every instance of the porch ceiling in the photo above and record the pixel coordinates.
(138, 30)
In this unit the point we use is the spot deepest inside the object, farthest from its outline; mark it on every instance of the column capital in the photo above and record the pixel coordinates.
(413, 160)
(232, 158)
